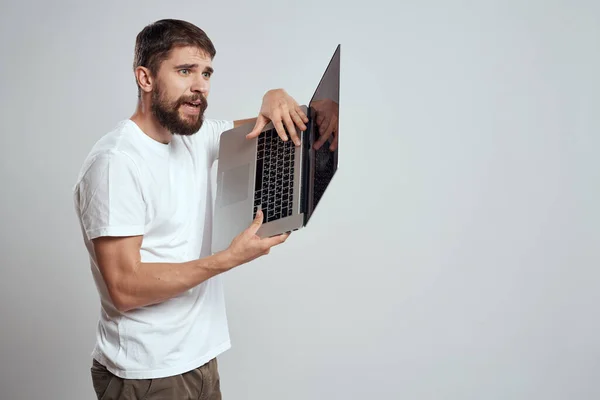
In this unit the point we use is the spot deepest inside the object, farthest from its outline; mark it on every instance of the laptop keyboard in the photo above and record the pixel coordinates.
(274, 188)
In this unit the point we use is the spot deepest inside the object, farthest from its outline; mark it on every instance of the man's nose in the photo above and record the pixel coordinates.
(200, 85)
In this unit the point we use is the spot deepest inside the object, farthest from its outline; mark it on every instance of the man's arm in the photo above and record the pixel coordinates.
(132, 283)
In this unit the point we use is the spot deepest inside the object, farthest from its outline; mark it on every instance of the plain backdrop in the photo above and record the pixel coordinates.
(455, 255)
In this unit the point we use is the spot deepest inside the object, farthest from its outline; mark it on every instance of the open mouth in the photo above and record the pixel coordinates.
(192, 107)
(195, 104)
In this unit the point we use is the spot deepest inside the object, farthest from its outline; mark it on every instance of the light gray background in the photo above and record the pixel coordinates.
(455, 255)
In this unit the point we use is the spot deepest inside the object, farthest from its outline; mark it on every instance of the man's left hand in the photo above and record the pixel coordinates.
(280, 108)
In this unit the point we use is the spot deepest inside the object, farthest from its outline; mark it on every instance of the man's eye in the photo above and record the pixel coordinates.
(207, 74)
(184, 71)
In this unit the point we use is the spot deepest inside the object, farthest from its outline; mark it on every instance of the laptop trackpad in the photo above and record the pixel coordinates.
(235, 183)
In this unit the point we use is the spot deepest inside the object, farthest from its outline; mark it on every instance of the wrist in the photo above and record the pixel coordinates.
(225, 260)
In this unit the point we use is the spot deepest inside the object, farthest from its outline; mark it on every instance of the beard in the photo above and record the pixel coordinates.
(168, 115)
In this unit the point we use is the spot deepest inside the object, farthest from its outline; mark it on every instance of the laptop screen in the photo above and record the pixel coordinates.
(324, 137)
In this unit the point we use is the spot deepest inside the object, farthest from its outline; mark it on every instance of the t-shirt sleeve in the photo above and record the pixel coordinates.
(214, 129)
(111, 200)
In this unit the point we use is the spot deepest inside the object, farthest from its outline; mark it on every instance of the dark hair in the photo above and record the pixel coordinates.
(155, 42)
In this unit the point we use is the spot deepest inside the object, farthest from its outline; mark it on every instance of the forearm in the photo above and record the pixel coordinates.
(152, 283)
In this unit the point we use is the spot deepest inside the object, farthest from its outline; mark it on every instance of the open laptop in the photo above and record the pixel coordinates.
(284, 180)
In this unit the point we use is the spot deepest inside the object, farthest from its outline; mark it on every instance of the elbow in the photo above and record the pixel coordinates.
(121, 301)
(122, 306)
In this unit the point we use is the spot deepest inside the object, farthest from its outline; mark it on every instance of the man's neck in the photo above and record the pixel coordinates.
(149, 125)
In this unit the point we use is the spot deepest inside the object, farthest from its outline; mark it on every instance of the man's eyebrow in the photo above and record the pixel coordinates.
(194, 66)
(186, 66)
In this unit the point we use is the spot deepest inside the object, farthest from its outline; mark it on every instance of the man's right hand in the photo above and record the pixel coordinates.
(248, 246)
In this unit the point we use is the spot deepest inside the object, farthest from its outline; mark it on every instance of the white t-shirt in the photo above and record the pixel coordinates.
(131, 184)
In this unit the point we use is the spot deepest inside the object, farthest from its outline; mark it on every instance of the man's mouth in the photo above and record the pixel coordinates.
(196, 104)
(192, 107)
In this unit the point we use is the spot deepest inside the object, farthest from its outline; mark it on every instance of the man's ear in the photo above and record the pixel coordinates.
(144, 79)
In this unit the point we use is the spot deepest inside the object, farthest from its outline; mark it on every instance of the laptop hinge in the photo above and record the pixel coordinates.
(306, 167)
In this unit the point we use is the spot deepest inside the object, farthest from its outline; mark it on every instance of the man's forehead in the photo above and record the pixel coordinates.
(189, 55)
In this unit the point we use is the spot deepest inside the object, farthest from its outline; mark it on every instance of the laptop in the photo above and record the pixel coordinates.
(284, 180)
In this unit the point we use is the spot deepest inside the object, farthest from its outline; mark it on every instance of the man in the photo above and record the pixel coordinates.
(144, 202)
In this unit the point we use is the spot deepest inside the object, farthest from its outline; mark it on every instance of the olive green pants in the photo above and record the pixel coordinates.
(201, 383)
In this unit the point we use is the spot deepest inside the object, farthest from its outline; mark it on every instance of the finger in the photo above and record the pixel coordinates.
(320, 119)
(334, 144)
(302, 115)
(298, 121)
(291, 128)
(331, 126)
(261, 121)
(325, 135)
(276, 240)
(280, 129)
(319, 143)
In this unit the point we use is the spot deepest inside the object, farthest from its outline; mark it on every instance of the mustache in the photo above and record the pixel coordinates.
(203, 101)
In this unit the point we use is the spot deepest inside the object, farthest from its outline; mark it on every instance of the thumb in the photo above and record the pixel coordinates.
(258, 220)
(261, 121)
